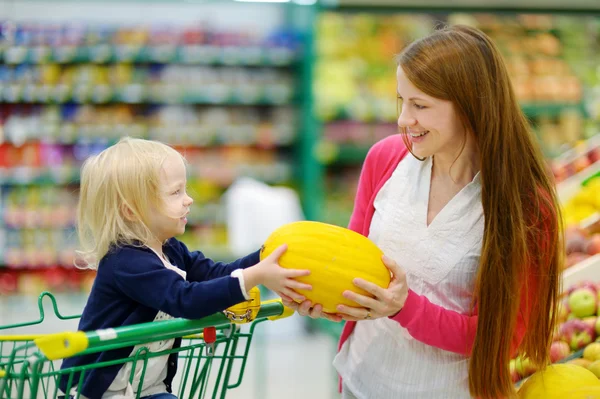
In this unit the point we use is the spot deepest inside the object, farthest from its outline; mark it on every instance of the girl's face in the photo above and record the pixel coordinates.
(170, 221)
(432, 125)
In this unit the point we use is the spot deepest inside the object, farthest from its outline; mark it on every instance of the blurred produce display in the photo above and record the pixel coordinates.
(552, 60)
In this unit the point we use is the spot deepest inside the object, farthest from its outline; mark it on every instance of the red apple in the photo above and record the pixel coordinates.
(580, 163)
(575, 239)
(559, 350)
(582, 302)
(591, 320)
(592, 246)
(577, 333)
(583, 284)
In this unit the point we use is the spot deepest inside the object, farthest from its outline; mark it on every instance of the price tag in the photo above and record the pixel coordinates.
(15, 55)
(251, 55)
(230, 55)
(132, 93)
(248, 93)
(280, 56)
(44, 93)
(278, 93)
(192, 54)
(127, 52)
(41, 54)
(82, 94)
(61, 93)
(100, 53)
(12, 93)
(64, 54)
(163, 53)
(217, 93)
(29, 93)
(102, 94)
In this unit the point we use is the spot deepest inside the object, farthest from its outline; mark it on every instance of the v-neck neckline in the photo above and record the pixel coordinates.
(426, 190)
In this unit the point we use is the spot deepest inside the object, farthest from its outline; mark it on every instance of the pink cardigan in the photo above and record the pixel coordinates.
(425, 321)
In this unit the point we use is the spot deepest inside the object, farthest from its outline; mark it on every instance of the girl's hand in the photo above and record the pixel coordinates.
(306, 309)
(386, 302)
(276, 278)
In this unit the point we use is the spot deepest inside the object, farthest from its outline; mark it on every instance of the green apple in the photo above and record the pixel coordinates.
(595, 368)
(592, 352)
(582, 302)
(524, 367)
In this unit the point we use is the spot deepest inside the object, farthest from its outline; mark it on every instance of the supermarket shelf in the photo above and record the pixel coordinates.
(139, 94)
(587, 270)
(268, 174)
(584, 7)
(534, 110)
(191, 55)
(569, 187)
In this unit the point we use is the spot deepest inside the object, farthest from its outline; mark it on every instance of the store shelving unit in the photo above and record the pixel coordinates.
(68, 91)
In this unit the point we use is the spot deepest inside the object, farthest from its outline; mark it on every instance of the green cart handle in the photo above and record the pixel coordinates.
(70, 343)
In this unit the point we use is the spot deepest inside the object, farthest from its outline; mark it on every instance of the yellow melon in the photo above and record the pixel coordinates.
(560, 381)
(334, 255)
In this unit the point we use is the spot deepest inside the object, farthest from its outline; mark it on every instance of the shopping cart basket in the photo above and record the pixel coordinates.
(212, 356)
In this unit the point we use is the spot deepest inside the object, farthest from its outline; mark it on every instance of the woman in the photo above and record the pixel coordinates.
(469, 222)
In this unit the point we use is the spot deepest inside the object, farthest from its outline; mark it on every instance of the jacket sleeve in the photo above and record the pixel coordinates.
(144, 279)
(200, 268)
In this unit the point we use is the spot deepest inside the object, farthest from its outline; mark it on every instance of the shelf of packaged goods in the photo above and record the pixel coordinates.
(139, 94)
(248, 56)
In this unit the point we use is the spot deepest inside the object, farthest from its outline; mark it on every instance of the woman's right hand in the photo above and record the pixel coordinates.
(306, 309)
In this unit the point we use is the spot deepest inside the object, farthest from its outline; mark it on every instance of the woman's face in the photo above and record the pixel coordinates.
(432, 125)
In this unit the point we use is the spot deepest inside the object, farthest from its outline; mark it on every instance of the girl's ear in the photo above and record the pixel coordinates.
(128, 213)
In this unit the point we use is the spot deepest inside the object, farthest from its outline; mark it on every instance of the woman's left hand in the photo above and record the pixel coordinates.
(386, 302)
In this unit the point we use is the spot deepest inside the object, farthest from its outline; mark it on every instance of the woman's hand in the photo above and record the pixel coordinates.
(306, 309)
(386, 302)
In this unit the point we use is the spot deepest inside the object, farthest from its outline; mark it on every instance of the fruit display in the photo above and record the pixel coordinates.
(585, 204)
(548, 57)
(580, 245)
(334, 255)
(576, 339)
(581, 157)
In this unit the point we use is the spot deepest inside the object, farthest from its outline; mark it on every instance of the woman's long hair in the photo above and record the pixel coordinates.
(522, 245)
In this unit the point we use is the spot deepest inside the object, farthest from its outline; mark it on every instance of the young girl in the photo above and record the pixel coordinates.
(132, 203)
(462, 205)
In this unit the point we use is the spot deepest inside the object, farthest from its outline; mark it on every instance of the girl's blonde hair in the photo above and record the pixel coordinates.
(119, 188)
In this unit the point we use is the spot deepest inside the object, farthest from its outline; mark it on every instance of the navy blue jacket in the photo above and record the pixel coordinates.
(132, 285)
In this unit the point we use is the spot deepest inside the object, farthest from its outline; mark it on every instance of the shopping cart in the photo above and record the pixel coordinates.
(212, 356)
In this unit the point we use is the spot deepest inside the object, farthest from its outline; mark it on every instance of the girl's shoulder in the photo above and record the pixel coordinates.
(127, 254)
